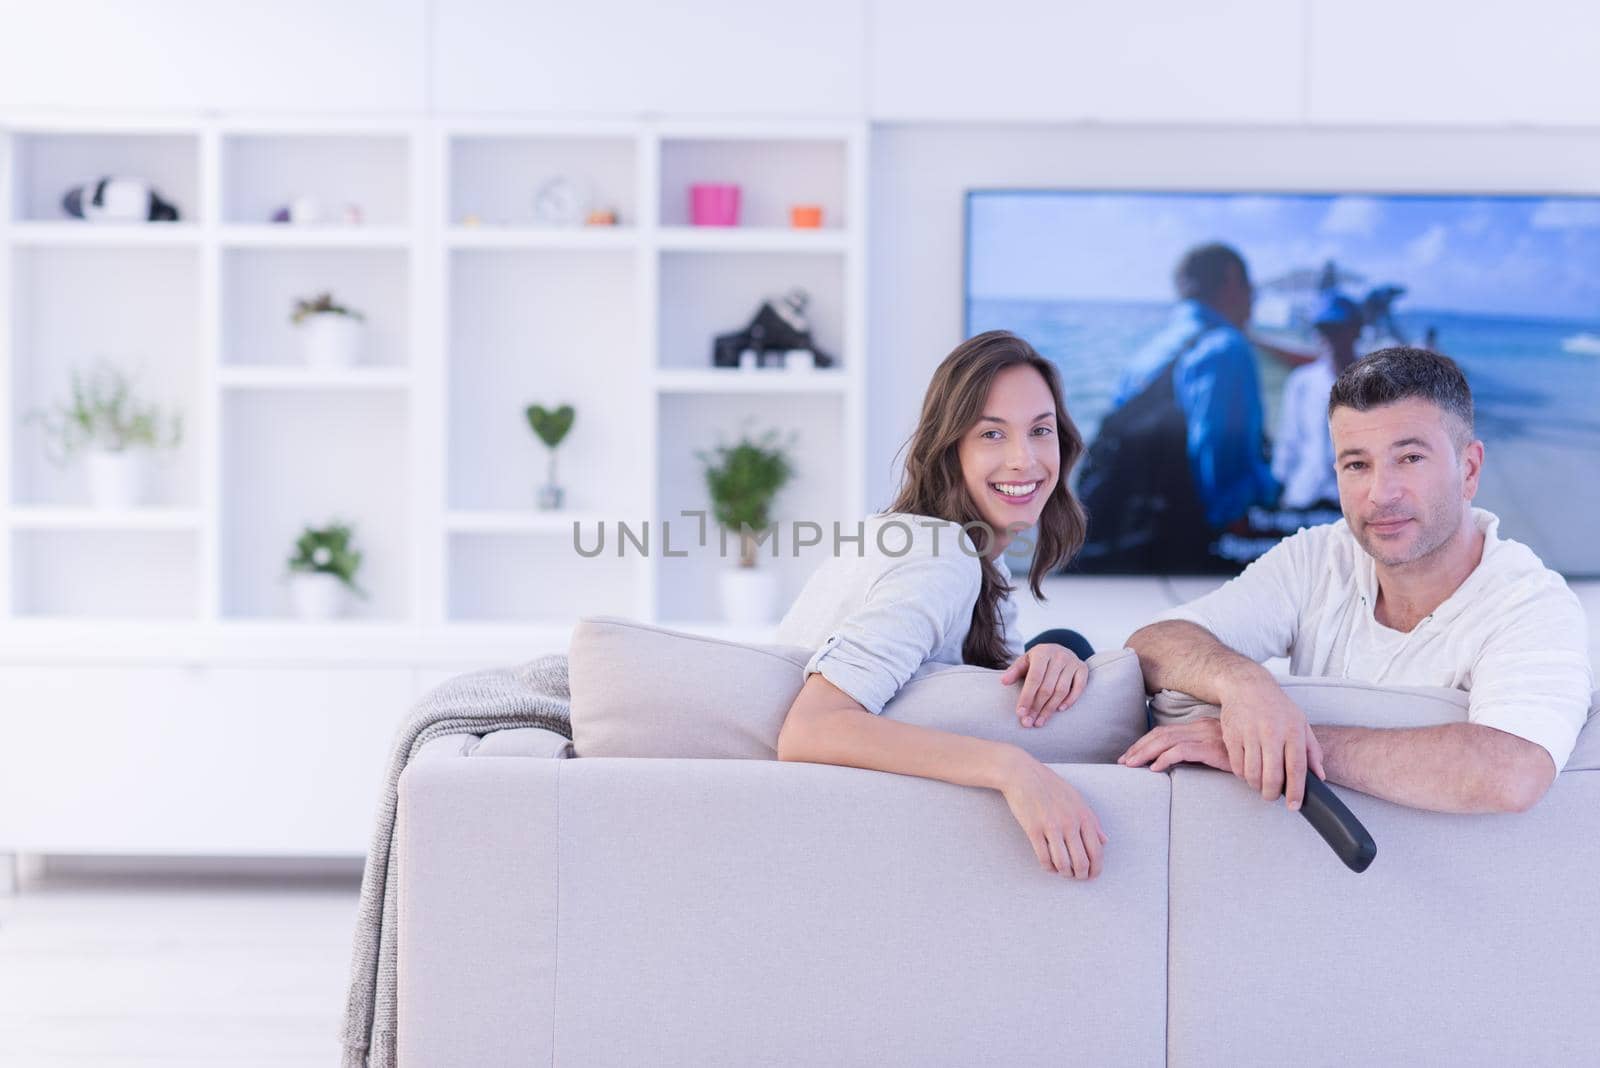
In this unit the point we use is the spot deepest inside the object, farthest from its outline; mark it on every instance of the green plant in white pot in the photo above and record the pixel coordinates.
(116, 435)
(322, 571)
(744, 479)
(333, 333)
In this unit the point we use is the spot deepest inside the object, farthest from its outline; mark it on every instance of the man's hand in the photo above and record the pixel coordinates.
(1055, 678)
(1197, 742)
(1269, 742)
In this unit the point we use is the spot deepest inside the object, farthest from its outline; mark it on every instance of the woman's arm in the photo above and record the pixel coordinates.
(825, 725)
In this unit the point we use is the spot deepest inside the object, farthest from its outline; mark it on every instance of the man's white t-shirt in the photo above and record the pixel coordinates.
(1512, 635)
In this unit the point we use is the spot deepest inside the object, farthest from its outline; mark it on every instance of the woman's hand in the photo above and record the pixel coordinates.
(1063, 829)
(1054, 679)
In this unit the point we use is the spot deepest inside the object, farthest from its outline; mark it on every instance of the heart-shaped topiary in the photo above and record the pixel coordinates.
(551, 426)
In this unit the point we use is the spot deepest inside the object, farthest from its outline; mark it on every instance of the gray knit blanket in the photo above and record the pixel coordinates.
(532, 695)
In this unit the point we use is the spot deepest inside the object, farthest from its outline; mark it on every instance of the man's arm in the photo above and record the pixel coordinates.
(1269, 743)
(1457, 767)
(1178, 655)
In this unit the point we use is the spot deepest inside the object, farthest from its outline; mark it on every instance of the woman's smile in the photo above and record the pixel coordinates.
(1017, 493)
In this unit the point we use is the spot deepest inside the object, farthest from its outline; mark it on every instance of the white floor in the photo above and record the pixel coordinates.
(146, 965)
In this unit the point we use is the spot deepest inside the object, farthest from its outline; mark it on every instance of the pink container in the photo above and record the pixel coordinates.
(714, 204)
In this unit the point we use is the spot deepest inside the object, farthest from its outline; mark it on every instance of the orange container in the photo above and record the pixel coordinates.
(805, 216)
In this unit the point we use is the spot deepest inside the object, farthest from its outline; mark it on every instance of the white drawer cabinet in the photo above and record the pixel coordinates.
(195, 760)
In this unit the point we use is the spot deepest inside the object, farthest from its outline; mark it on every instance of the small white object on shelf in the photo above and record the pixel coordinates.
(332, 340)
(317, 595)
(749, 595)
(118, 479)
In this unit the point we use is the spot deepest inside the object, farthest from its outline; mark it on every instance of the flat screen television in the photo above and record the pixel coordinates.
(1508, 286)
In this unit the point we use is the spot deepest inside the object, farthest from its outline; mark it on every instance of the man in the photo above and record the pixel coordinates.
(1302, 452)
(1413, 587)
(1180, 456)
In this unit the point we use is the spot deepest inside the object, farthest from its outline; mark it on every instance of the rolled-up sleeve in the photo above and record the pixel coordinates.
(909, 611)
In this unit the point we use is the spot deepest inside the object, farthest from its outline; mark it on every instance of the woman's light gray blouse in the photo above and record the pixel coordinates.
(906, 599)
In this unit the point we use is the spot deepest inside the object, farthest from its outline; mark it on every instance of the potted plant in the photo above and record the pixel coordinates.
(332, 332)
(114, 432)
(551, 427)
(322, 571)
(743, 480)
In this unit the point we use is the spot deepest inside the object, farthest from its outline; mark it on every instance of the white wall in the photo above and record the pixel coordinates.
(1219, 61)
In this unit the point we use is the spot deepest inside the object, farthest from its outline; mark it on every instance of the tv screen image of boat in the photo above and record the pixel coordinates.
(1198, 335)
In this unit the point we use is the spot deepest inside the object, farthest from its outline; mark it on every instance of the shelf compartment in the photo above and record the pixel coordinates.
(703, 296)
(292, 377)
(497, 178)
(553, 328)
(287, 236)
(539, 578)
(575, 238)
(734, 380)
(134, 308)
(76, 233)
(45, 518)
(260, 287)
(751, 239)
(262, 172)
(529, 522)
(46, 165)
(105, 574)
(772, 175)
(293, 458)
(687, 587)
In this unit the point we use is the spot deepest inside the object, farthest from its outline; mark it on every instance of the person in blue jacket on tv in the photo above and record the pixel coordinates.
(1181, 457)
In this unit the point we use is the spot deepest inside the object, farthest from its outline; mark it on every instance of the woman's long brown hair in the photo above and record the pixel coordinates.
(933, 486)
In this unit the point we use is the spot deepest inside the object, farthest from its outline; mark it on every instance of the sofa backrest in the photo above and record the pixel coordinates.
(693, 912)
(1470, 939)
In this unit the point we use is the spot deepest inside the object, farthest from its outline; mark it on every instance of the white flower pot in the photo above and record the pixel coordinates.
(117, 479)
(332, 340)
(317, 595)
(749, 596)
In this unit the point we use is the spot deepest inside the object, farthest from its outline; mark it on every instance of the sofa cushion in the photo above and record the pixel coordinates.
(1342, 703)
(644, 691)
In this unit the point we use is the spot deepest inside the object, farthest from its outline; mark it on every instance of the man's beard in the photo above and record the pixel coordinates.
(1437, 524)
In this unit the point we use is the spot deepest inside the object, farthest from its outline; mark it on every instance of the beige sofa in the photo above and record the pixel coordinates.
(687, 911)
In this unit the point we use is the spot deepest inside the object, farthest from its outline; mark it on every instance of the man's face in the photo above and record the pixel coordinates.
(1405, 481)
(1236, 298)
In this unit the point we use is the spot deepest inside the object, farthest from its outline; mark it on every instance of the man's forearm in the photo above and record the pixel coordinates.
(1457, 767)
(1183, 656)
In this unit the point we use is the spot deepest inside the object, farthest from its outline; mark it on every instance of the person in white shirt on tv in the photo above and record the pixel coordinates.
(1302, 451)
(1414, 586)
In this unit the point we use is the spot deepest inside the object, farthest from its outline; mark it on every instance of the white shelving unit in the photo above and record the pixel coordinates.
(473, 311)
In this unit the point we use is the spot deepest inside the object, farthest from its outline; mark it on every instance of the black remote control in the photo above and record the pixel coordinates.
(1338, 826)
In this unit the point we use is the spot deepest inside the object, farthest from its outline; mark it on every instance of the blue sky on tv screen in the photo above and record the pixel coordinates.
(1519, 256)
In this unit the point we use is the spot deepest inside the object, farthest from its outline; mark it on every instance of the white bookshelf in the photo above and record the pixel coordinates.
(162, 636)
(474, 310)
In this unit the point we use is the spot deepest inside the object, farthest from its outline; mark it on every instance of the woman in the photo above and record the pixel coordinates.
(989, 458)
